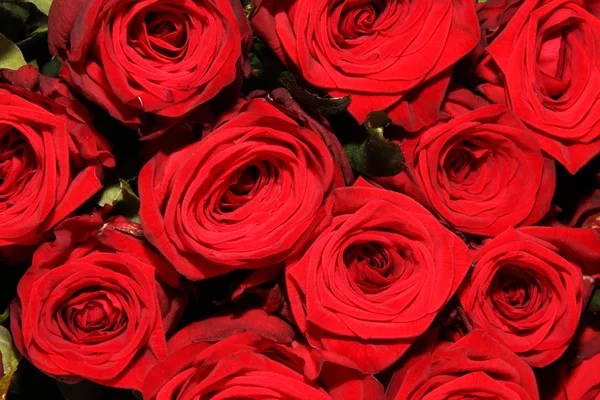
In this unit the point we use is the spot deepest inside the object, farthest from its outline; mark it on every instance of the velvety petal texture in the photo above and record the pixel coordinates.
(97, 304)
(246, 196)
(545, 66)
(377, 276)
(51, 159)
(255, 356)
(482, 171)
(475, 367)
(388, 55)
(526, 289)
(577, 377)
(581, 382)
(151, 63)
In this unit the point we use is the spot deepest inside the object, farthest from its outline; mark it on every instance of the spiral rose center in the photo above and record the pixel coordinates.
(159, 33)
(17, 164)
(358, 20)
(92, 315)
(514, 292)
(463, 162)
(371, 266)
(244, 186)
(164, 29)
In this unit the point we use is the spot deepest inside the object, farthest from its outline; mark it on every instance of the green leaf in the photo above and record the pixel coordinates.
(4, 315)
(42, 5)
(41, 29)
(594, 304)
(376, 122)
(18, 12)
(52, 67)
(375, 156)
(10, 360)
(122, 197)
(111, 195)
(39, 34)
(10, 55)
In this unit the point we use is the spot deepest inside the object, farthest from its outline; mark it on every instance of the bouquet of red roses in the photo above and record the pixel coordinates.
(300, 199)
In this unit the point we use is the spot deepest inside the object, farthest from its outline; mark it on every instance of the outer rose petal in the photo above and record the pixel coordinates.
(252, 355)
(574, 377)
(223, 326)
(475, 365)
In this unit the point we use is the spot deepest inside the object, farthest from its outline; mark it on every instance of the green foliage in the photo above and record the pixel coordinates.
(375, 155)
(42, 5)
(10, 361)
(121, 196)
(24, 35)
(594, 304)
(10, 55)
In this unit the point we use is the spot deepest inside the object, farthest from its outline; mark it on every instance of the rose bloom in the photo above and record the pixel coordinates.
(51, 159)
(576, 378)
(581, 381)
(151, 63)
(474, 168)
(544, 66)
(252, 356)
(476, 366)
(390, 55)
(374, 280)
(526, 289)
(247, 196)
(97, 304)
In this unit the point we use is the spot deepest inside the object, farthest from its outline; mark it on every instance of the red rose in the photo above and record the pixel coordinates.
(580, 382)
(246, 196)
(543, 69)
(576, 377)
(476, 366)
(526, 289)
(252, 355)
(150, 63)
(51, 159)
(473, 169)
(375, 279)
(389, 55)
(96, 304)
